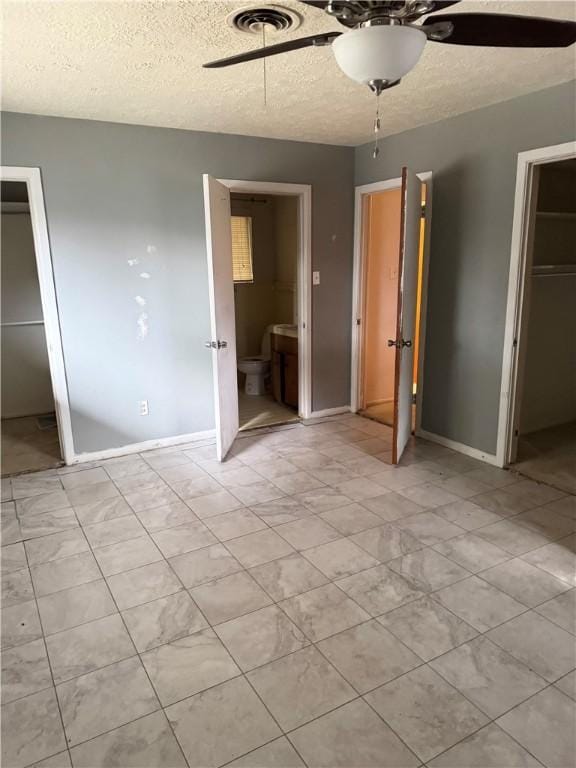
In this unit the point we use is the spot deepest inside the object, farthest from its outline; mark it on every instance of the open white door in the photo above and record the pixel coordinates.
(222, 320)
(406, 322)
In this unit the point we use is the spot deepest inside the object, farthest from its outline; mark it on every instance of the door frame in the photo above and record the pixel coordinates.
(358, 283)
(304, 194)
(45, 269)
(517, 304)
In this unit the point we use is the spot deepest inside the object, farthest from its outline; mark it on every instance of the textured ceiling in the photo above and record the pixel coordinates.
(140, 62)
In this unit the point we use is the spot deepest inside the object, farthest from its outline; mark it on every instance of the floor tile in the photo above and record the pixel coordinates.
(163, 620)
(167, 516)
(92, 493)
(150, 498)
(490, 747)
(524, 582)
(56, 546)
(561, 610)
(310, 532)
(565, 506)
(558, 558)
(100, 511)
(195, 568)
(260, 637)
(467, 515)
(231, 525)
(140, 482)
(13, 557)
(75, 606)
(339, 558)
(125, 466)
(126, 555)
(298, 482)
(322, 499)
(288, 576)
(16, 588)
(183, 538)
(547, 522)
(428, 528)
(11, 531)
(350, 519)
(143, 584)
(188, 471)
(279, 511)
(324, 611)
(83, 478)
(488, 676)
(213, 504)
(544, 725)
(534, 492)
(567, 685)
(20, 624)
(145, 743)
(189, 665)
(224, 722)
(38, 505)
(300, 687)
(61, 760)
(427, 570)
(379, 589)
(277, 754)
(24, 486)
(502, 503)
(108, 698)
(229, 597)
(427, 713)
(544, 647)
(429, 495)
(114, 531)
(25, 670)
(360, 489)
(352, 736)
(258, 548)
(50, 522)
(427, 627)
(368, 655)
(257, 493)
(472, 552)
(392, 506)
(511, 537)
(88, 647)
(63, 574)
(387, 542)
(164, 458)
(31, 729)
(478, 603)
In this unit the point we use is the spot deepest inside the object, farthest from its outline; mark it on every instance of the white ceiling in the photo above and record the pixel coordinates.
(140, 62)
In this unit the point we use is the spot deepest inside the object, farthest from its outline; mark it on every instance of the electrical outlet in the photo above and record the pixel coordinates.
(143, 405)
(315, 278)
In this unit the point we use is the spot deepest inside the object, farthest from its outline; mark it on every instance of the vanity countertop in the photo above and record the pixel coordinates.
(285, 329)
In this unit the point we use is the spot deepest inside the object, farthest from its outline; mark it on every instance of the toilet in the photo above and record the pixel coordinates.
(257, 367)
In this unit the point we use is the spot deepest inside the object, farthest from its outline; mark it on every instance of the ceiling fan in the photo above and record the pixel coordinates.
(383, 42)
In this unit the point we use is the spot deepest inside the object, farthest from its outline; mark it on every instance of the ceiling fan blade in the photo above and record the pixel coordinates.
(440, 5)
(272, 50)
(505, 31)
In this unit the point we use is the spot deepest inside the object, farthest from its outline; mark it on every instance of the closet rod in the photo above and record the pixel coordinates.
(22, 322)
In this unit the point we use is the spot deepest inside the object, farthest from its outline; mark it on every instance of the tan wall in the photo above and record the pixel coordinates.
(382, 224)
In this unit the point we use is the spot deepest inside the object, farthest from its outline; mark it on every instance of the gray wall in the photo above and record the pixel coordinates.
(119, 193)
(473, 157)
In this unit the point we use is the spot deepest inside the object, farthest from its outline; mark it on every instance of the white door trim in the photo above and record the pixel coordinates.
(304, 193)
(517, 282)
(358, 285)
(33, 181)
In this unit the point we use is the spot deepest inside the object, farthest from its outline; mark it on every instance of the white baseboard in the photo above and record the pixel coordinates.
(148, 445)
(330, 412)
(467, 450)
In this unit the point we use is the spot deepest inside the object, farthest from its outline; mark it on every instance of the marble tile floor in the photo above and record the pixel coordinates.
(257, 411)
(549, 456)
(302, 604)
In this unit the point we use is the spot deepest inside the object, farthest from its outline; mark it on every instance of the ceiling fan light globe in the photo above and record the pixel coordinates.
(386, 52)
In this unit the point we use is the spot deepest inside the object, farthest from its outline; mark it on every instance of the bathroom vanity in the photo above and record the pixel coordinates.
(284, 348)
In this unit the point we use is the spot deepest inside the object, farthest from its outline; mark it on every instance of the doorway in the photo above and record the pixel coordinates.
(382, 296)
(542, 413)
(259, 266)
(35, 416)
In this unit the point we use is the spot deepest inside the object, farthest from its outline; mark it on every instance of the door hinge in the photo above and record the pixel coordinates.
(215, 344)
(358, 321)
(515, 433)
(515, 343)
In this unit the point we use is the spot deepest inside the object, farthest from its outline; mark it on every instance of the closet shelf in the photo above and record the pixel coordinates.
(559, 215)
(553, 270)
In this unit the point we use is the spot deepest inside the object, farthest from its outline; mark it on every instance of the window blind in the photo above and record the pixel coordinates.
(242, 249)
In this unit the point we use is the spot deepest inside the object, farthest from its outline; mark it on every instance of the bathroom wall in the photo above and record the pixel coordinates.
(286, 279)
(26, 384)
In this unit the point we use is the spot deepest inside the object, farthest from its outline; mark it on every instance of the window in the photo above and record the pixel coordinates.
(242, 249)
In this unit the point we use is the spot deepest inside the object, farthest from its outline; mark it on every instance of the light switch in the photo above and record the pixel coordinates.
(315, 278)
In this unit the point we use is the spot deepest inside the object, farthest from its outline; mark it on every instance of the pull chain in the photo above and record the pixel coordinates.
(264, 63)
(376, 150)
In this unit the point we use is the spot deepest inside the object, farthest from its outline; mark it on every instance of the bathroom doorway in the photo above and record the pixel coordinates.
(390, 274)
(259, 264)
(265, 273)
